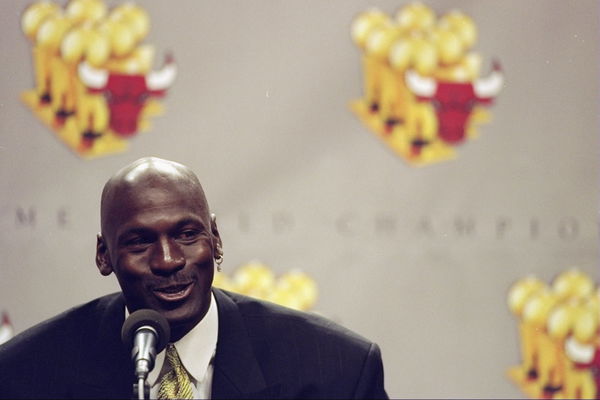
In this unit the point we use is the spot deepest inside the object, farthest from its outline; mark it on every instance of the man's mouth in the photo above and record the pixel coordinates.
(173, 292)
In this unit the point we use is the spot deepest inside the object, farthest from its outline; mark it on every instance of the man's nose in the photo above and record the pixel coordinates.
(167, 257)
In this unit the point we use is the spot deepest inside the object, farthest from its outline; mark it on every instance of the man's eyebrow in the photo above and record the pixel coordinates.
(190, 221)
(133, 231)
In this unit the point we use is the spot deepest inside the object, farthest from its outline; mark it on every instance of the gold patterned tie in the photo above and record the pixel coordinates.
(176, 383)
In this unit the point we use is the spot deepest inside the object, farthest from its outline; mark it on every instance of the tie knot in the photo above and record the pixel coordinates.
(173, 356)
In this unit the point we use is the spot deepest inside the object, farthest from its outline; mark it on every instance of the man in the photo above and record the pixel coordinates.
(160, 240)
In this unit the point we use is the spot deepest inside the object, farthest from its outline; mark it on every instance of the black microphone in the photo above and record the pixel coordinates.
(148, 333)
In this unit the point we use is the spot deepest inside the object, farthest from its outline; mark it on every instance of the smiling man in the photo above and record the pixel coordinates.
(161, 241)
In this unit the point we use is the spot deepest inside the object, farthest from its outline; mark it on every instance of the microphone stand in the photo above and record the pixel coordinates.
(141, 390)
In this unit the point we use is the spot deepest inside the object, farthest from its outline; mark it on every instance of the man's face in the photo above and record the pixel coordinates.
(160, 243)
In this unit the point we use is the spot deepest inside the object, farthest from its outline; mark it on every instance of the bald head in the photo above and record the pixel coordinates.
(148, 173)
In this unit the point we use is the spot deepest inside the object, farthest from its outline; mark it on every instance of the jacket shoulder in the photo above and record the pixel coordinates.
(273, 319)
(311, 356)
(58, 328)
(47, 353)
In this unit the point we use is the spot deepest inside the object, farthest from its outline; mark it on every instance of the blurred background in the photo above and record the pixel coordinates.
(419, 259)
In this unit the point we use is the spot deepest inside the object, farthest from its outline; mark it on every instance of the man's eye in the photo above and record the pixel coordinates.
(188, 235)
(137, 243)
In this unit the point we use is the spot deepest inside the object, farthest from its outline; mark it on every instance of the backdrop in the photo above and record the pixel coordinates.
(417, 259)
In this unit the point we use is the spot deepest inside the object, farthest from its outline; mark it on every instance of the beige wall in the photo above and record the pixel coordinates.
(260, 111)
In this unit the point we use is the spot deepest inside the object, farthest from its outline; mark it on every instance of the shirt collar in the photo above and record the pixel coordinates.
(196, 349)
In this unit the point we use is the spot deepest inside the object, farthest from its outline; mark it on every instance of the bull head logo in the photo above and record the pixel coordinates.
(454, 101)
(125, 94)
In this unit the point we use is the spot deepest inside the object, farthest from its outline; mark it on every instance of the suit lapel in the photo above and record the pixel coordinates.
(108, 373)
(237, 373)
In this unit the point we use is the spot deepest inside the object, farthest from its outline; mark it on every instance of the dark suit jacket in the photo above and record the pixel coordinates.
(263, 351)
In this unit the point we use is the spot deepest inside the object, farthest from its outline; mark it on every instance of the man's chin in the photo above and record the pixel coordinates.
(182, 320)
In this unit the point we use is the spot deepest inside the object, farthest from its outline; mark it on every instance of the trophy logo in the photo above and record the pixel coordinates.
(94, 83)
(293, 289)
(559, 331)
(422, 90)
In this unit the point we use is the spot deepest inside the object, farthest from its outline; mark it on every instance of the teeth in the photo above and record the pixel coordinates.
(174, 289)
(174, 292)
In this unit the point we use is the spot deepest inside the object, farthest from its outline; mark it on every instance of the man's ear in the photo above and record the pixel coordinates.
(102, 258)
(217, 243)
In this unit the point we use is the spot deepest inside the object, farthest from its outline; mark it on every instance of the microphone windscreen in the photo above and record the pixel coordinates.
(146, 317)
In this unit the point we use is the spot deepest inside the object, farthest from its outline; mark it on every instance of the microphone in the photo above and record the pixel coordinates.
(148, 333)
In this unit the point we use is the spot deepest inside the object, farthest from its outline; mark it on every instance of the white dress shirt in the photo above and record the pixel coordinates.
(196, 351)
